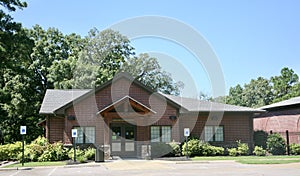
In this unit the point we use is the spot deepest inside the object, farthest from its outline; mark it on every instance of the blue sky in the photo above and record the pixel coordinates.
(251, 38)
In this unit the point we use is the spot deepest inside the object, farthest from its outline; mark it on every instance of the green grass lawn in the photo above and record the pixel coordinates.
(36, 164)
(253, 159)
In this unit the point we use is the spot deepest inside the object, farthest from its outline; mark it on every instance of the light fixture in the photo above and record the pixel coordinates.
(172, 117)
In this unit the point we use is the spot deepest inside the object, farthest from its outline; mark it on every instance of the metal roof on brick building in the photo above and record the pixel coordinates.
(289, 102)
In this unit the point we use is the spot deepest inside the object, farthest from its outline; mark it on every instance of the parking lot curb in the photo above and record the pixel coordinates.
(15, 168)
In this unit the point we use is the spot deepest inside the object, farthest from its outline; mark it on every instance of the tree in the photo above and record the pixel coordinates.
(147, 70)
(235, 96)
(26, 80)
(257, 93)
(15, 78)
(206, 97)
(283, 84)
(107, 53)
(54, 57)
(10, 33)
(101, 58)
(11, 5)
(261, 91)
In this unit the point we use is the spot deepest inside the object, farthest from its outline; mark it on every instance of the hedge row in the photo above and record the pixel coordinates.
(41, 150)
(199, 148)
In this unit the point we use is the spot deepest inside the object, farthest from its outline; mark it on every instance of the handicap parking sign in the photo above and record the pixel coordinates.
(23, 130)
(74, 133)
(186, 132)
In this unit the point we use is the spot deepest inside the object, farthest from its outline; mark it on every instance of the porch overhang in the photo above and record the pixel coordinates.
(126, 106)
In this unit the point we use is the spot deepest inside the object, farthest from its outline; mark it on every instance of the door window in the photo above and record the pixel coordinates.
(116, 133)
(129, 133)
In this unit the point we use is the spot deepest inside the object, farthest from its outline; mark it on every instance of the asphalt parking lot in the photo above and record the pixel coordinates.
(164, 168)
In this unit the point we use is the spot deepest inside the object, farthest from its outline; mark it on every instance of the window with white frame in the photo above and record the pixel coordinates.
(155, 134)
(161, 134)
(86, 135)
(214, 133)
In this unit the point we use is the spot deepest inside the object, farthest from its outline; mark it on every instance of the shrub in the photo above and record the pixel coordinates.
(38, 150)
(89, 153)
(10, 151)
(193, 148)
(4, 151)
(53, 152)
(201, 148)
(81, 158)
(276, 144)
(32, 152)
(259, 151)
(242, 148)
(79, 154)
(260, 138)
(60, 153)
(208, 150)
(232, 152)
(41, 141)
(176, 151)
(295, 149)
(213, 151)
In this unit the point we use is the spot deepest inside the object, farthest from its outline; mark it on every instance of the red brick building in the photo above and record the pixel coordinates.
(126, 116)
(281, 116)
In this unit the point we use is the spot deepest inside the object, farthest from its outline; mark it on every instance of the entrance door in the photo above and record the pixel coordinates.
(123, 140)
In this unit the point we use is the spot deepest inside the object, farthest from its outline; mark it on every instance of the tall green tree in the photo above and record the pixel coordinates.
(235, 96)
(283, 84)
(257, 93)
(53, 56)
(108, 52)
(101, 58)
(147, 70)
(261, 91)
(11, 34)
(26, 80)
(15, 49)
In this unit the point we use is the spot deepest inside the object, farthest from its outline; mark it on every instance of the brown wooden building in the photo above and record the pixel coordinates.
(126, 116)
(281, 116)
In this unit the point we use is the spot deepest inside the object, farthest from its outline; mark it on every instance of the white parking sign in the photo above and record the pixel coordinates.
(74, 133)
(23, 130)
(186, 132)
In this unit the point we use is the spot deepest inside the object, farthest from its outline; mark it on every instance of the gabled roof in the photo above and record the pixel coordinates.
(289, 102)
(55, 99)
(128, 99)
(195, 105)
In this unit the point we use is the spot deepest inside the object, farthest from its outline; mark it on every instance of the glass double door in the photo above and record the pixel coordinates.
(122, 140)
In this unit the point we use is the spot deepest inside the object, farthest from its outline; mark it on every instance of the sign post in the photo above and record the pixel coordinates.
(23, 132)
(186, 134)
(74, 135)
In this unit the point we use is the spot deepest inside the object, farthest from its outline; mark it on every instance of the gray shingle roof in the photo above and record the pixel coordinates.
(292, 101)
(56, 99)
(194, 105)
